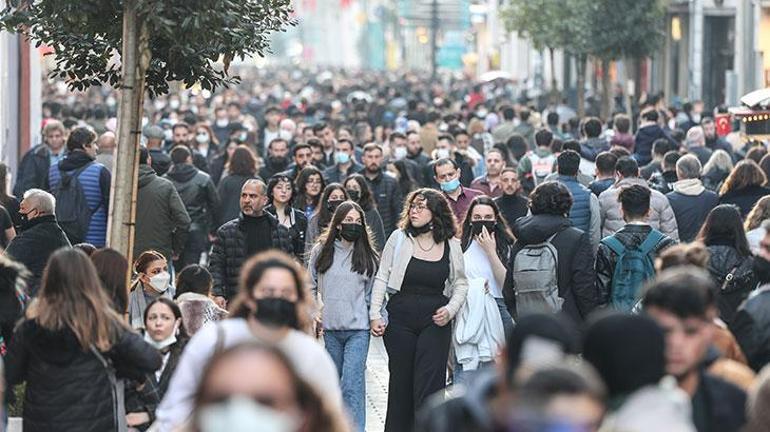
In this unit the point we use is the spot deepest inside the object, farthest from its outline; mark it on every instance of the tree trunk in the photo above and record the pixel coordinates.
(606, 91)
(580, 62)
(135, 58)
(554, 86)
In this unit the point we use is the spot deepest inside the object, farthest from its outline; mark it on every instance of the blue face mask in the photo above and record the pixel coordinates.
(450, 186)
(342, 158)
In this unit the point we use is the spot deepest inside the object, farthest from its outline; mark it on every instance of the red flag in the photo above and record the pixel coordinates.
(723, 124)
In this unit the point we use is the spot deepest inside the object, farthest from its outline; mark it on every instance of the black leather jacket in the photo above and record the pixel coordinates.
(724, 260)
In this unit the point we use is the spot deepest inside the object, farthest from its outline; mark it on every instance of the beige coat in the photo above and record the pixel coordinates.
(661, 215)
(390, 276)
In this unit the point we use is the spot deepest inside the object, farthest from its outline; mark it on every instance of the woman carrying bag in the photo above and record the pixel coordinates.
(422, 269)
(342, 267)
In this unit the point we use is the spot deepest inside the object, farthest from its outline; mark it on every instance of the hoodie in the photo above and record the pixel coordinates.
(575, 272)
(644, 138)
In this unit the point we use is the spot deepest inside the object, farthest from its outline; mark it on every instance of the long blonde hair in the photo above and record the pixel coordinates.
(759, 213)
(721, 160)
(71, 297)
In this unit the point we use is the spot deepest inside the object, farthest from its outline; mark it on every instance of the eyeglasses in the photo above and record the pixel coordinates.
(314, 181)
(417, 208)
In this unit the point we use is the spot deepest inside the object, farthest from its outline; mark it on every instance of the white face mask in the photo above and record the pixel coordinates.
(202, 138)
(160, 281)
(159, 345)
(442, 153)
(223, 122)
(399, 153)
(241, 414)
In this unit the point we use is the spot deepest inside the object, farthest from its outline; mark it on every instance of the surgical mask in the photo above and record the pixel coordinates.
(242, 414)
(332, 205)
(354, 195)
(243, 137)
(202, 138)
(160, 281)
(159, 345)
(399, 153)
(442, 153)
(111, 101)
(476, 226)
(450, 186)
(222, 123)
(351, 231)
(168, 134)
(173, 104)
(277, 312)
(159, 105)
(341, 158)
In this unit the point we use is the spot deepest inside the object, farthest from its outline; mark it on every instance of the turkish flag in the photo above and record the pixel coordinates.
(723, 124)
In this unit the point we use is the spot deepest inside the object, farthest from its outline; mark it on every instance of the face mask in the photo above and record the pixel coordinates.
(351, 231)
(159, 105)
(173, 104)
(243, 136)
(442, 153)
(415, 231)
(160, 281)
(354, 195)
(341, 158)
(240, 414)
(168, 134)
(202, 138)
(111, 102)
(761, 269)
(24, 218)
(399, 153)
(222, 123)
(332, 205)
(450, 186)
(276, 312)
(159, 345)
(476, 227)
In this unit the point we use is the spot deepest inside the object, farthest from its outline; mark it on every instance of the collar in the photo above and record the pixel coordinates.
(38, 220)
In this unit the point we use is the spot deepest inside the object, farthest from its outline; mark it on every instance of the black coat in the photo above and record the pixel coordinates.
(390, 202)
(68, 388)
(690, 211)
(33, 170)
(161, 162)
(751, 327)
(229, 190)
(296, 231)
(198, 194)
(724, 260)
(631, 236)
(229, 253)
(575, 272)
(744, 198)
(643, 141)
(512, 207)
(723, 405)
(663, 182)
(34, 245)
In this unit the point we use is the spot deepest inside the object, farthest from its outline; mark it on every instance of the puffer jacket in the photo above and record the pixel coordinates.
(751, 327)
(580, 213)
(162, 221)
(198, 194)
(606, 259)
(644, 139)
(33, 170)
(724, 260)
(663, 182)
(68, 388)
(591, 147)
(575, 272)
(229, 253)
(661, 215)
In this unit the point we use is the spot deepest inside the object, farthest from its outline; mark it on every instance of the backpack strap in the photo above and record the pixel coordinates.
(615, 245)
(652, 240)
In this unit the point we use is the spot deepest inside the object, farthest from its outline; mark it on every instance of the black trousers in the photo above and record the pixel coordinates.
(417, 356)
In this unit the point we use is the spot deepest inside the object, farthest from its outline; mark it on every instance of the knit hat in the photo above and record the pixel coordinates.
(627, 350)
(154, 132)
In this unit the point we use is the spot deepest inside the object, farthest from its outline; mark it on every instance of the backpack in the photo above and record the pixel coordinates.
(72, 210)
(632, 268)
(541, 167)
(535, 279)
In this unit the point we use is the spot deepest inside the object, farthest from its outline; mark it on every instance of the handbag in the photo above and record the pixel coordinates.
(118, 388)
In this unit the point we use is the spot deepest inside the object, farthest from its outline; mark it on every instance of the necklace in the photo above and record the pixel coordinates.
(422, 248)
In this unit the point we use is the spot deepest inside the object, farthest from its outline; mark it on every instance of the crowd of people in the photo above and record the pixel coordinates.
(527, 269)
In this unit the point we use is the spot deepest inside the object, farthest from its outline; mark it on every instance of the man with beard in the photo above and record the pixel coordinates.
(714, 141)
(277, 158)
(182, 135)
(303, 156)
(512, 205)
(385, 188)
(751, 324)
(681, 301)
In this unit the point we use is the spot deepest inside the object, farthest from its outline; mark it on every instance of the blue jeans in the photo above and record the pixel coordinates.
(348, 350)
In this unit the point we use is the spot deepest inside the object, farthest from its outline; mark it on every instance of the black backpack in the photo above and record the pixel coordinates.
(72, 210)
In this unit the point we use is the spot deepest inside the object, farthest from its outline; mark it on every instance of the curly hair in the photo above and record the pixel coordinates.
(759, 213)
(301, 198)
(444, 223)
(365, 199)
(746, 173)
(550, 198)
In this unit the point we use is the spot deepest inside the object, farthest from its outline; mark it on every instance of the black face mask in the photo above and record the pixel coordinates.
(278, 161)
(415, 231)
(761, 269)
(476, 226)
(276, 312)
(332, 205)
(351, 231)
(354, 195)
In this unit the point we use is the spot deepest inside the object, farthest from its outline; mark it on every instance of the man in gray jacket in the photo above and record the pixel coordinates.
(661, 215)
(162, 221)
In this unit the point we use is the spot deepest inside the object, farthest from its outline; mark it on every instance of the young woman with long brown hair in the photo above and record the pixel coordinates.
(61, 349)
